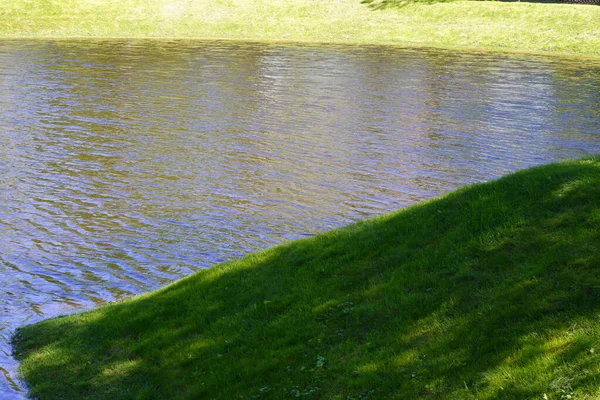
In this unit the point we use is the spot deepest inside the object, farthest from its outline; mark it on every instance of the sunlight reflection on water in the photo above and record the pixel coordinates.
(127, 164)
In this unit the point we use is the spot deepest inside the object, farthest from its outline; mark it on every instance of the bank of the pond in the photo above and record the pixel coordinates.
(507, 26)
(492, 291)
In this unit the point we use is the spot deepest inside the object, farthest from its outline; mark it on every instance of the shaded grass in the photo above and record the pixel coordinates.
(490, 292)
(554, 28)
(386, 4)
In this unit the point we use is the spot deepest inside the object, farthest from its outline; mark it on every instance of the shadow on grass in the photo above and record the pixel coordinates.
(390, 4)
(490, 292)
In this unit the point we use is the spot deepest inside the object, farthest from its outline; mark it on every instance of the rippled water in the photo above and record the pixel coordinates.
(125, 165)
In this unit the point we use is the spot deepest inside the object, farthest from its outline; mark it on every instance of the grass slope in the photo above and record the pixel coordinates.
(490, 292)
(558, 28)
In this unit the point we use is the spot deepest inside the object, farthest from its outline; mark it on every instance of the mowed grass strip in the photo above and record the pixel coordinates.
(489, 292)
(508, 26)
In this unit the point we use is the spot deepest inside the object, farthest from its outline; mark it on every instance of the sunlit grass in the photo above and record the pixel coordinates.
(490, 292)
(558, 28)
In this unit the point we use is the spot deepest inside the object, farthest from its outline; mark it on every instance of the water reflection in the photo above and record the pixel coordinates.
(127, 164)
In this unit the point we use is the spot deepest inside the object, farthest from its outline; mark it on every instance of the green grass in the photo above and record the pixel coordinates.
(530, 27)
(489, 292)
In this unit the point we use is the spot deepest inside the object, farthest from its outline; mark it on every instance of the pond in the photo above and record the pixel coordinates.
(127, 164)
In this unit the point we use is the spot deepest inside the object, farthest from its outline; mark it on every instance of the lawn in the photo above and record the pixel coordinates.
(568, 29)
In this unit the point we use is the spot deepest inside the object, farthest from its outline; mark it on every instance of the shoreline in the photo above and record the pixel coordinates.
(564, 30)
(307, 316)
(291, 42)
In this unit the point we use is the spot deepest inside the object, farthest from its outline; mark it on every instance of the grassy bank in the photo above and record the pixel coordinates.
(556, 28)
(490, 292)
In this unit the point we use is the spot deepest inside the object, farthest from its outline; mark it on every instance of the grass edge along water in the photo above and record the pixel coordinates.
(488, 292)
(566, 29)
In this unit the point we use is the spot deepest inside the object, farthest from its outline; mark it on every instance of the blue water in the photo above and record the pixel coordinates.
(127, 164)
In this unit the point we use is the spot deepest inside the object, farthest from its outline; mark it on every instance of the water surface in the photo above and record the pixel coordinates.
(127, 164)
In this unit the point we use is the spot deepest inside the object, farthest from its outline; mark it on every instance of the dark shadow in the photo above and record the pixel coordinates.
(388, 4)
